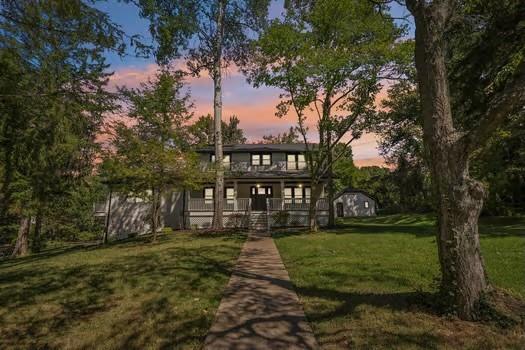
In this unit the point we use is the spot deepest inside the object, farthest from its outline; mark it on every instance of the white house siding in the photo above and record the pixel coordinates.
(131, 216)
(354, 204)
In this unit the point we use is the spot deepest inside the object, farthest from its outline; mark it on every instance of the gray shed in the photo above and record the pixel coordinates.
(354, 202)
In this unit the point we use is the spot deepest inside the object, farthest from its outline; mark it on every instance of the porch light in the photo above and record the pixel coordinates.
(300, 185)
(258, 185)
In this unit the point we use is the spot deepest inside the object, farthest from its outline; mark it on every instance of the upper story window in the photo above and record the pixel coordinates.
(261, 159)
(225, 160)
(295, 162)
(366, 204)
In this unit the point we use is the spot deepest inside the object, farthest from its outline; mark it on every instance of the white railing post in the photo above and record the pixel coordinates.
(268, 214)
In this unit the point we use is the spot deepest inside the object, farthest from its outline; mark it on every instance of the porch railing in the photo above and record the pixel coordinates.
(248, 167)
(244, 204)
(295, 204)
(201, 204)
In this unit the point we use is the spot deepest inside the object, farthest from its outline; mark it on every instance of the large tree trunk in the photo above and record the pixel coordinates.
(22, 241)
(217, 117)
(459, 198)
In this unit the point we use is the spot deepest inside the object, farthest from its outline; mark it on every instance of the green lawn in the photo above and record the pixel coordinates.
(364, 285)
(131, 295)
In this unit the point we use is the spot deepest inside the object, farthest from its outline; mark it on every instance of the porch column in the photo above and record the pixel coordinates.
(235, 195)
(282, 194)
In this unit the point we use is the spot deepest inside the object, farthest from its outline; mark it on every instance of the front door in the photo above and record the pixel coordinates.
(259, 195)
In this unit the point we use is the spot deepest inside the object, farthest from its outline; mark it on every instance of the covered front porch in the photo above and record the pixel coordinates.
(260, 204)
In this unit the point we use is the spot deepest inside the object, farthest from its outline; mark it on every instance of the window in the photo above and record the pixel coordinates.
(225, 160)
(261, 159)
(290, 162)
(307, 192)
(229, 194)
(208, 195)
(366, 204)
(295, 161)
(262, 190)
(297, 193)
(301, 162)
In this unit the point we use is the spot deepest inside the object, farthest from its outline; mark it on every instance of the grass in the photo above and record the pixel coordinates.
(365, 285)
(132, 295)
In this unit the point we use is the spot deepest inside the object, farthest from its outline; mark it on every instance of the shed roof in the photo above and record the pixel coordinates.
(354, 190)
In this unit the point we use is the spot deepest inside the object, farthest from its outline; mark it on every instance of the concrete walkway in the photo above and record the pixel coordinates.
(260, 309)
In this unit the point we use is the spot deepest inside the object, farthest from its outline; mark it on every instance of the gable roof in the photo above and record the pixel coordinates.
(354, 190)
(255, 147)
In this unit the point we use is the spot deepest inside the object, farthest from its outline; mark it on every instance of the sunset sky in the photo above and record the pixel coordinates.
(254, 107)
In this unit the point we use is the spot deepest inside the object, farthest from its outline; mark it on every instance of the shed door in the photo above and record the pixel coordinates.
(339, 207)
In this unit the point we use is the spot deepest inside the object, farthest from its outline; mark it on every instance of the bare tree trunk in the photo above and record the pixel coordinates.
(36, 244)
(108, 218)
(22, 241)
(330, 175)
(155, 212)
(459, 198)
(315, 193)
(217, 117)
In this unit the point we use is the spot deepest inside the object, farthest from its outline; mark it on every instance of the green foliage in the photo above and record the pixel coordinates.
(501, 166)
(189, 28)
(154, 152)
(201, 131)
(52, 100)
(72, 218)
(327, 57)
(486, 51)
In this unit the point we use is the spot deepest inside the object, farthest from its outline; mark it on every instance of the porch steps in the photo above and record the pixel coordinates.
(258, 221)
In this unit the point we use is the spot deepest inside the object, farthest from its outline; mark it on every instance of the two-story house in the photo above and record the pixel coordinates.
(266, 185)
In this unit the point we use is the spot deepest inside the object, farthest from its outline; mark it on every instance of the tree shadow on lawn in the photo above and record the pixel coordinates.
(57, 298)
(417, 231)
(356, 228)
(349, 301)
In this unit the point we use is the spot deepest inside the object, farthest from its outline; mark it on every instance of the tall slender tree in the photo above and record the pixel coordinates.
(328, 57)
(153, 156)
(211, 35)
(57, 100)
